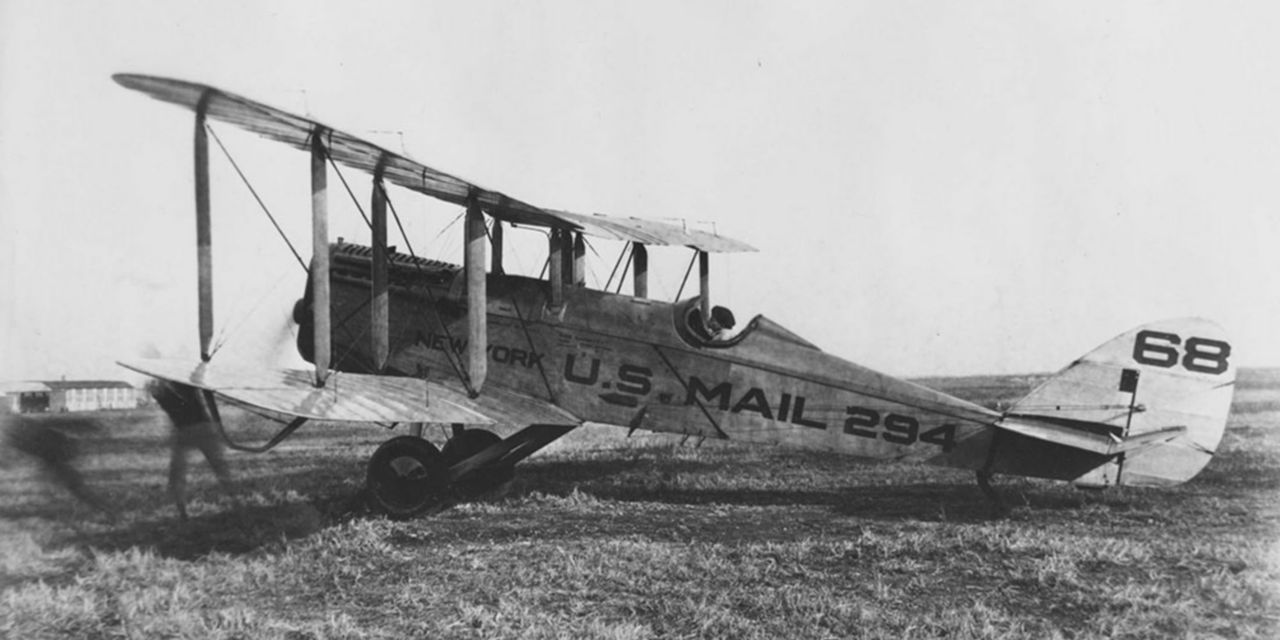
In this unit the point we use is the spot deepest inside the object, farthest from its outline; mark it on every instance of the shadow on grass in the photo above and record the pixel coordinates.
(874, 492)
(627, 497)
(237, 530)
(721, 496)
(260, 512)
(233, 529)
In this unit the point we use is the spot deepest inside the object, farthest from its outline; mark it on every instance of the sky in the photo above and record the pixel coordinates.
(935, 188)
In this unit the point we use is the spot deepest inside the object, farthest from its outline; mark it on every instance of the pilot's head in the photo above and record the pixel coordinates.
(722, 317)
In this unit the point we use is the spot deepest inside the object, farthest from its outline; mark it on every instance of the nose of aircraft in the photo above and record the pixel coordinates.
(302, 317)
(301, 311)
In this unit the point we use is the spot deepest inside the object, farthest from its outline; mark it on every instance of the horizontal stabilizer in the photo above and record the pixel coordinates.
(1093, 441)
(345, 397)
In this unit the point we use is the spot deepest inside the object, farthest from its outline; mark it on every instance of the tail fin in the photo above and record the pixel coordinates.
(1163, 375)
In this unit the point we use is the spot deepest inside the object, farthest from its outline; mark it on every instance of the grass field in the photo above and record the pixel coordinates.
(604, 536)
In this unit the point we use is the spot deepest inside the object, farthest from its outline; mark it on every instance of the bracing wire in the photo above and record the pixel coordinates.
(524, 326)
(625, 268)
(262, 204)
(617, 264)
(353, 341)
(515, 252)
(446, 230)
(351, 193)
(686, 277)
(230, 330)
(590, 268)
(454, 357)
(590, 246)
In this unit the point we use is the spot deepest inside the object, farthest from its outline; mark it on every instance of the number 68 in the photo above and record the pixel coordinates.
(1159, 349)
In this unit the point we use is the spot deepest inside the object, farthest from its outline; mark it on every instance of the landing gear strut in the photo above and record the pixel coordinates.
(408, 475)
(997, 505)
(467, 443)
(999, 510)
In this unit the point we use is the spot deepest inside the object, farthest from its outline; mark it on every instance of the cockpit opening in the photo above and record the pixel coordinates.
(714, 331)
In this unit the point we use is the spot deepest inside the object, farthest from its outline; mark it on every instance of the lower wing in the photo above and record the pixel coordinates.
(352, 397)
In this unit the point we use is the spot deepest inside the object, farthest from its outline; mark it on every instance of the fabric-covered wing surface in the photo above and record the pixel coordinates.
(345, 397)
(296, 131)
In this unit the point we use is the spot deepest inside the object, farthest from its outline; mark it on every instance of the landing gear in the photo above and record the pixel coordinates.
(998, 508)
(406, 476)
(997, 505)
(467, 443)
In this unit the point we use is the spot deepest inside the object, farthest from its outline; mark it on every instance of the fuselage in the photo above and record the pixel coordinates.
(633, 362)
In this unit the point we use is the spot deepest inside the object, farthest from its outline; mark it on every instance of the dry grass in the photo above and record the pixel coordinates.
(608, 537)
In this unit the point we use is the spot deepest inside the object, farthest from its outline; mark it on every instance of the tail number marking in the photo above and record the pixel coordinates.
(1202, 355)
(898, 429)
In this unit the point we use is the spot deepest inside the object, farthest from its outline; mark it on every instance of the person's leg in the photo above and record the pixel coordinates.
(215, 453)
(193, 426)
(178, 474)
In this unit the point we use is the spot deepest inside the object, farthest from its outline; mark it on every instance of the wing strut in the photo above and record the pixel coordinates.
(380, 309)
(555, 266)
(477, 297)
(579, 260)
(320, 256)
(704, 277)
(640, 274)
(204, 233)
(566, 257)
(495, 238)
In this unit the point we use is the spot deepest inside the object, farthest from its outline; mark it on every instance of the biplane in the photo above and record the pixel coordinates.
(423, 342)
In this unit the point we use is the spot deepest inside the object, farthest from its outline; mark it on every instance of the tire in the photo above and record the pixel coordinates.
(406, 476)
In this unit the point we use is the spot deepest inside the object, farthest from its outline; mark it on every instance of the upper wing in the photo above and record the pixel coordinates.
(353, 397)
(352, 151)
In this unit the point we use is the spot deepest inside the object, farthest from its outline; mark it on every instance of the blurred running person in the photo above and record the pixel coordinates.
(193, 428)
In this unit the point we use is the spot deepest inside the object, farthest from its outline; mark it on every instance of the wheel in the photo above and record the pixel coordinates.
(406, 476)
(463, 446)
